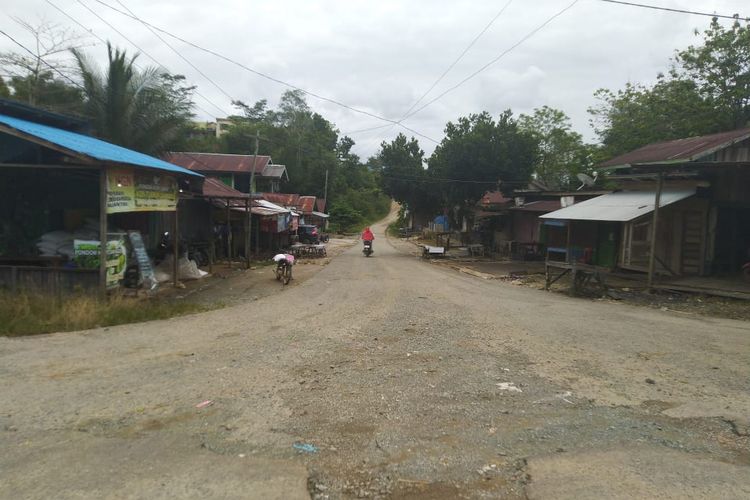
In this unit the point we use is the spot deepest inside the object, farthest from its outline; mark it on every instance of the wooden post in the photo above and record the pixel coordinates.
(247, 233)
(229, 234)
(654, 228)
(211, 237)
(250, 194)
(103, 231)
(175, 244)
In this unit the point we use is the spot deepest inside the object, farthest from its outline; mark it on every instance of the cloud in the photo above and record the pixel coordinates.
(382, 56)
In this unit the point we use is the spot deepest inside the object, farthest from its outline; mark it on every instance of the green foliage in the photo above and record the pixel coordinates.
(706, 91)
(637, 115)
(562, 153)
(720, 69)
(478, 148)
(47, 92)
(4, 90)
(358, 208)
(145, 110)
(310, 147)
(403, 174)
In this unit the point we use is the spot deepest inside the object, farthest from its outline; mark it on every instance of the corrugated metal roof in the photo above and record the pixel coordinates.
(307, 204)
(286, 200)
(539, 206)
(78, 144)
(680, 150)
(214, 188)
(320, 204)
(622, 206)
(275, 171)
(218, 162)
(321, 215)
(270, 206)
(494, 198)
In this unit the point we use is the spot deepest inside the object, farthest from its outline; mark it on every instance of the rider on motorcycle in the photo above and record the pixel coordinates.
(367, 236)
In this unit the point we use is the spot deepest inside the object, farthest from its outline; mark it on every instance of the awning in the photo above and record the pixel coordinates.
(622, 206)
(320, 214)
(79, 145)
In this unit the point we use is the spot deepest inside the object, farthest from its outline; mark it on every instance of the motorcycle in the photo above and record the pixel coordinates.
(367, 250)
(283, 271)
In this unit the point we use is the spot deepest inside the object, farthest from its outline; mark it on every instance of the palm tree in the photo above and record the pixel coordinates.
(142, 109)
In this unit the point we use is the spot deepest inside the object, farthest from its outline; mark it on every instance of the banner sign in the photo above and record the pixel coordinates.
(146, 270)
(86, 256)
(130, 191)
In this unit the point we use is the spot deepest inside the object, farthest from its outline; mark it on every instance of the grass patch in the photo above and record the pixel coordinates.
(31, 314)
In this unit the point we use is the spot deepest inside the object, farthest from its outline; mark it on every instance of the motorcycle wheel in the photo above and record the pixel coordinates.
(287, 274)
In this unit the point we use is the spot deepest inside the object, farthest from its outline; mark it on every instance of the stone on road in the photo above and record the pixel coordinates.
(406, 379)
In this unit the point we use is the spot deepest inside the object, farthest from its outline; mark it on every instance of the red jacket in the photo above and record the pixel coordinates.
(367, 235)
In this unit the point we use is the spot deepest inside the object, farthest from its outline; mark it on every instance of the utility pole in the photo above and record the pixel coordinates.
(325, 190)
(248, 223)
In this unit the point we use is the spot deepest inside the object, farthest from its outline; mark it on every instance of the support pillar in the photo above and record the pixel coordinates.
(175, 244)
(654, 231)
(103, 231)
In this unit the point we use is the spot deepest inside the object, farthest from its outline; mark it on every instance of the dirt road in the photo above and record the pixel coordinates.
(405, 379)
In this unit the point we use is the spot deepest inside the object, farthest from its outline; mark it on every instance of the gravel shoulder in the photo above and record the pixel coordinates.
(409, 380)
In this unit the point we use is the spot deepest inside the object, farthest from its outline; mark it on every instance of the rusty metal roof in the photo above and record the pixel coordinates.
(307, 204)
(214, 188)
(218, 162)
(543, 206)
(283, 199)
(320, 205)
(494, 198)
(680, 150)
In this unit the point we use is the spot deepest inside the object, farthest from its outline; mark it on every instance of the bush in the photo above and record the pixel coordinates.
(356, 208)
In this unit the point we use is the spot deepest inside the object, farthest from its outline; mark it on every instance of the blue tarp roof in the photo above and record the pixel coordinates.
(90, 146)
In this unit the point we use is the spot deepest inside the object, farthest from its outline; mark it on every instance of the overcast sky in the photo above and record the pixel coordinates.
(381, 56)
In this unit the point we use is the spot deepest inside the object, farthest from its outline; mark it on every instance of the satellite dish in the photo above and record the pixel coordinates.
(586, 180)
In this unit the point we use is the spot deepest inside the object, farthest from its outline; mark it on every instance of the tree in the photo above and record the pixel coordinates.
(637, 115)
(42, 77)
(562, 153)
(403, 174)
(707, 90)
(479, 153)
(720, 68)
(145, 110)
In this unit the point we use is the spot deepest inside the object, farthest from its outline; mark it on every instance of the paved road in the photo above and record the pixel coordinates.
(410, 380)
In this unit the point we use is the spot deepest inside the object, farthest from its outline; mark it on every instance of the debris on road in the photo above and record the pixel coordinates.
(204, 404)
(305, 447)
(508, 386)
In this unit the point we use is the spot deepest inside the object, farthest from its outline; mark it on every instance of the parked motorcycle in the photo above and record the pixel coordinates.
(367, 250)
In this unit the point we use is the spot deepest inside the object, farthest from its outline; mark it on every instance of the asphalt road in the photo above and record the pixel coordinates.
(397, 379)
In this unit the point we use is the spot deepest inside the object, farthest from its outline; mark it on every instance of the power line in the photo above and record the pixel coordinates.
(458, 59)
(136, 46)
(493, 61)
(92, 33)
(53, 68)
(179, 54)
(263, 75)
(679, 11)
(447, 70)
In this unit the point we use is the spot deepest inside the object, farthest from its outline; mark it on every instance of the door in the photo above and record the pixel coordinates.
(692, 242)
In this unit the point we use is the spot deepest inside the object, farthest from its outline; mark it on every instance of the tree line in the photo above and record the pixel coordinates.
(705, 89)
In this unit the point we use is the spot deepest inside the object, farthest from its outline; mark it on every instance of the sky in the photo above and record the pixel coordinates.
(380, 57)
